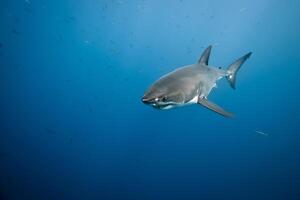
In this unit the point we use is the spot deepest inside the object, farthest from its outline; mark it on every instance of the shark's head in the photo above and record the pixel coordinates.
(162, 98)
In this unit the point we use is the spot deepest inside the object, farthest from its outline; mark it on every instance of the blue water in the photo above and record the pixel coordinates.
(73, 125)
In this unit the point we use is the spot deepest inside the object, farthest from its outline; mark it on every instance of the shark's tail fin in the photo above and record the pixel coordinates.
(234, 68)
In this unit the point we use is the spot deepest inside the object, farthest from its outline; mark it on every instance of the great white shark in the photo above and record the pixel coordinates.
(192, 84)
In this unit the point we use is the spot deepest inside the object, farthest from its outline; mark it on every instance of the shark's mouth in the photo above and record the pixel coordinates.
(163, 106)
(159, 104)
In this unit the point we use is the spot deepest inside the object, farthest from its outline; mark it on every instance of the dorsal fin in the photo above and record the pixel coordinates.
(205, 55)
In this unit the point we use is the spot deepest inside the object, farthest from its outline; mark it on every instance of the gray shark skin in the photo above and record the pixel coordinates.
(192, 84)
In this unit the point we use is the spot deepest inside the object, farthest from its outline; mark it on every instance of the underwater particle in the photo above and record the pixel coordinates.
(70, 140)
(9, 179)
(243, 9)
(189, 50)
(111, 42)
(4, 154)
(262, 133)
(59, 38)
(90, 109)
(95, 97)
(105, 7)
(27, 1)
(140, 7)
(17, 67)
(70, 19)
(16, 19)
(1, 45)
(28, 8)
(15, 32)
(50, 131)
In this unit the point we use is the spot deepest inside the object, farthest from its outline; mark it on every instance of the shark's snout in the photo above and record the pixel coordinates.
(148, 100)
(144, 100)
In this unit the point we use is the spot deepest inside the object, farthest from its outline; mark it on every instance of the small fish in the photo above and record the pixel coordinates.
(262, 133)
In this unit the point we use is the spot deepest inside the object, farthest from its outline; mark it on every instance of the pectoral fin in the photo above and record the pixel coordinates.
(214, 107)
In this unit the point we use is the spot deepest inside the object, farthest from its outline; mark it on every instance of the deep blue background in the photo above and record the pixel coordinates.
(73, 126)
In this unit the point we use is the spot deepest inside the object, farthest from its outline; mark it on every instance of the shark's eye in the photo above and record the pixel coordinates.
(164, 98)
